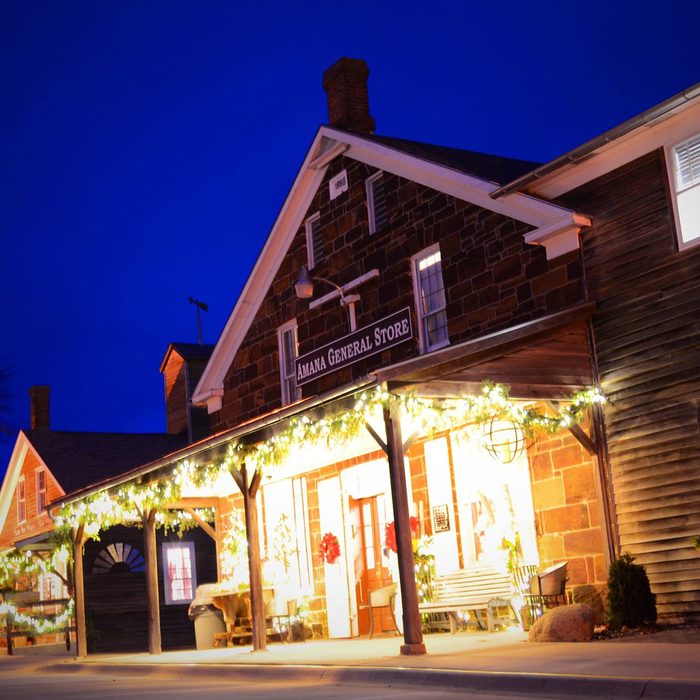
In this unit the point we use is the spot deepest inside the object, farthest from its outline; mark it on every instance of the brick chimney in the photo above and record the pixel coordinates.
(345, 83)
(39, 407)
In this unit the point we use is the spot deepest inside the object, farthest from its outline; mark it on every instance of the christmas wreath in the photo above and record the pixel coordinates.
(330, 548)
(390, 533)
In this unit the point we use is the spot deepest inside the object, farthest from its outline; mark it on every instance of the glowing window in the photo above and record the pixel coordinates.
(686, 181)
(287, 342)
(430, 299)
(179, 573)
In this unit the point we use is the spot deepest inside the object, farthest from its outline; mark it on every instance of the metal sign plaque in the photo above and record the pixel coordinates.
(356, 346)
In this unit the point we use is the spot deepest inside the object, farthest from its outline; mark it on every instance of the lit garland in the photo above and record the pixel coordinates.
(101, 510)
(43, 624)
(17, 566)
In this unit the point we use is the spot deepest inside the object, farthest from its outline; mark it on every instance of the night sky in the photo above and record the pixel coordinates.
(146, 148)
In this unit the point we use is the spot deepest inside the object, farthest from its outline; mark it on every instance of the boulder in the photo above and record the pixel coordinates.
(568, 623)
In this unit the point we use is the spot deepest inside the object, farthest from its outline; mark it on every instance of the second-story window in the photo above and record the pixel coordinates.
(430, 299)
(686, 185)
(21, 500)
(314, 241)
(376, 202)
(287, 341)
(40, 491)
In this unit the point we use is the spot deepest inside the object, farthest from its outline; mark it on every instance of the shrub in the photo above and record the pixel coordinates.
(630, 600)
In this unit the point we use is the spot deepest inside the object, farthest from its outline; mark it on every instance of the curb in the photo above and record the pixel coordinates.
(535, 684)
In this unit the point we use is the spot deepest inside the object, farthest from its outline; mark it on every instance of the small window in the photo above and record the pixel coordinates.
(376, 202)
(40, 491)
(686, 185)
(314, 241)
(21, 500)
(430, 299)
(287, 341)
(179, 574)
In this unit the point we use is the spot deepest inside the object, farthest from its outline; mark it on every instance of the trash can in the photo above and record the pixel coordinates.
(208, 619)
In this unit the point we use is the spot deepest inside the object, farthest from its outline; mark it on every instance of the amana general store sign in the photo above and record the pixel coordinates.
(378, 336)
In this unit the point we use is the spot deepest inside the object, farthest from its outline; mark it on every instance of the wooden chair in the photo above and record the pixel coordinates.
(382, 598)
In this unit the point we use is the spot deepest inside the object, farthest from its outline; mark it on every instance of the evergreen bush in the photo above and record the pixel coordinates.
(630, 600)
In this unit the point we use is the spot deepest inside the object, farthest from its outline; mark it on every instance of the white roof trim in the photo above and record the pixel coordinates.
(673, 128)
(547, 218)
(19, 454)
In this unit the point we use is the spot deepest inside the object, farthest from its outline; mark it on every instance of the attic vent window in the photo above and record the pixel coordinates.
(686, 168)
(314, 241)
(376, 202)
(338, 185)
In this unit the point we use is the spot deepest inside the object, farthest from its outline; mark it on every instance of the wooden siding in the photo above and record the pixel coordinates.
(647, 338)
(116, 607)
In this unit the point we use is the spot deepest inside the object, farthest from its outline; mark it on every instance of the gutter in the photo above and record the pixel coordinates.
(586, 149)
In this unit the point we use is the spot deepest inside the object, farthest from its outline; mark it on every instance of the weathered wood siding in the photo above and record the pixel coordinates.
(116, 604)
(647, 336)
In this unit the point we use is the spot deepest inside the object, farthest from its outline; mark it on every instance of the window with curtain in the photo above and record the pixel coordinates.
(179, 573)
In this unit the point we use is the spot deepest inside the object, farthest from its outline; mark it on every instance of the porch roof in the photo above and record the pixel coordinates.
(547, 358)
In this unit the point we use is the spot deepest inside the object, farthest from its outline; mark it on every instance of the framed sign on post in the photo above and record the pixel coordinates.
(441, 518)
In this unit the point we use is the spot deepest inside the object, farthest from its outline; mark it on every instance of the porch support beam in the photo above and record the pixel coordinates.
(149, 535)
(249, 489)
(78, 540)
(588, 443)
(412, 634)
(202, 523)
(377, 438)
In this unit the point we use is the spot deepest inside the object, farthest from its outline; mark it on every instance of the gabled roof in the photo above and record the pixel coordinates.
(483, 165)
(555, 227)
(79, 459)
(188, 351)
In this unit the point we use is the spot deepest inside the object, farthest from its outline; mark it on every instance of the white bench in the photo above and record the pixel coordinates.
(477, 590)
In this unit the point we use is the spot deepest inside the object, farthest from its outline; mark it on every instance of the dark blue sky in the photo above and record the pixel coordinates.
(146, 147)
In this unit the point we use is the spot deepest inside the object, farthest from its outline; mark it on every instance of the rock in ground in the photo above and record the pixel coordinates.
(568, 623)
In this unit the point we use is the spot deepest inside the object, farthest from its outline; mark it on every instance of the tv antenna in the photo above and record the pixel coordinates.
(200, 305)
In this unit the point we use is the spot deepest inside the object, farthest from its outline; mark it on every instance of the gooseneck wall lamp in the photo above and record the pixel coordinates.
(304, 288)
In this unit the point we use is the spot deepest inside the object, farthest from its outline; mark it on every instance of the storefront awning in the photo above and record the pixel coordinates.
(547, 358)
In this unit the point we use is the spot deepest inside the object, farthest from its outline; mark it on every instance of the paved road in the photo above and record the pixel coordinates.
(28, 684)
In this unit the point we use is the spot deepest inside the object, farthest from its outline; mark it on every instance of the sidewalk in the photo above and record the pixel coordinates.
(499, 662)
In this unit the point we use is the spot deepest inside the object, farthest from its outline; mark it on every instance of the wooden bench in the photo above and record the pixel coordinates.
(479, 591)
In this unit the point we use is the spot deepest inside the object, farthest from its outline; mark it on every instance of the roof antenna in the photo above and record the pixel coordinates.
(200, 305)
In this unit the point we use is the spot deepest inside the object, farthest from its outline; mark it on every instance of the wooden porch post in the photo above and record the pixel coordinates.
(257, 604)
(149, 534)
(78, 537)
(412, 634)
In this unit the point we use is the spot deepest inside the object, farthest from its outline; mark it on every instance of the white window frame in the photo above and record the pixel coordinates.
(674, 190)
(422, 333)
(310, 257)
(167, 583)
(21, 502)
(369, 193)
(287, 395)
(41, 501)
